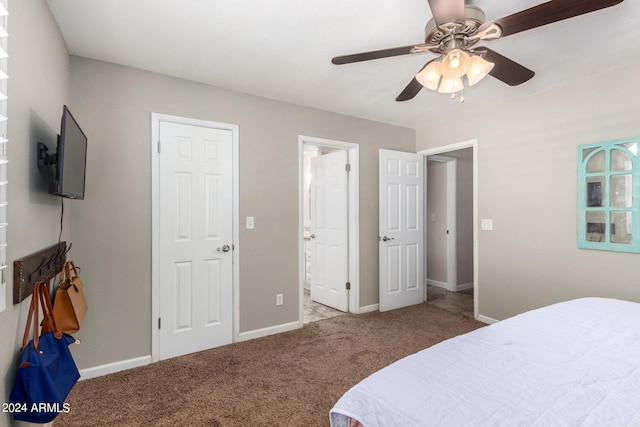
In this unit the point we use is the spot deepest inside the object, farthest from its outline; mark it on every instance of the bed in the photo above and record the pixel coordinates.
(575, 363)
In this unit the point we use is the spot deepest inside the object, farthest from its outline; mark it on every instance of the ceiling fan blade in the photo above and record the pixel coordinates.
(410, 91)
(374, 54)
(505, 69)
(413, 87)
(549, 12)
(448, 11)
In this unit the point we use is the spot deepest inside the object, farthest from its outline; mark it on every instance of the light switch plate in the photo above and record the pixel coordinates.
(250, 223)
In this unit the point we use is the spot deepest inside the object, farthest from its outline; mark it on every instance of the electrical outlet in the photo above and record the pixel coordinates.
(279, 299)
(486, 224)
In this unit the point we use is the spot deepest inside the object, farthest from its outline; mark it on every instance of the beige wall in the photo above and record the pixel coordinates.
(38, 87)
(113, 224)
(464, 211)
(437, 206)
(527, 184)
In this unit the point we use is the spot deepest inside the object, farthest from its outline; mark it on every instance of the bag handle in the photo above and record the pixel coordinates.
(40, 299)
(65, 274)
(47, 310)
(33, 316)
(75, 270)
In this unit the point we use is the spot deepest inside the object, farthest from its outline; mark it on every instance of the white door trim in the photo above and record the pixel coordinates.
(156, 119)
(472, 143)
(354, 215)
(452, 246)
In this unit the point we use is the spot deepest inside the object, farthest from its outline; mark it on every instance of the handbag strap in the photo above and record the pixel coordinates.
(33, 317)
(40, 299)
(75, 270)
(65, 274)
(47, 310)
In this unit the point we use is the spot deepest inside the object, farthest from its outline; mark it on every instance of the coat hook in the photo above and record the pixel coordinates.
(51, 264)
(38, 269)
(58, 257)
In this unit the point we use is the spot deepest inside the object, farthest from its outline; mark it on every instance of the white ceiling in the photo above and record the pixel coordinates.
(282, 49)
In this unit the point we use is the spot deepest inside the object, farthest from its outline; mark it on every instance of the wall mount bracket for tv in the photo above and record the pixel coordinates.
(44, 158)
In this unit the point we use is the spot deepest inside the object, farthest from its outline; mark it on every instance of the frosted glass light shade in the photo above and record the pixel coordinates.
(450, 85)
(478, 69)
(455, 64)
(429, 76)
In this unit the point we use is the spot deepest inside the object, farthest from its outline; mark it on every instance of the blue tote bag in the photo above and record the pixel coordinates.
(47, 371)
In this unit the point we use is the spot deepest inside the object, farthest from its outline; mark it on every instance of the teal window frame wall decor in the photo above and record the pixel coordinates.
(609, 196)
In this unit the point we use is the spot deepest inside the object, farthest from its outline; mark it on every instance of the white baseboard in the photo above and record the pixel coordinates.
(259, 333)
(445, 285)
(369, 308)
(485, 319)
(437, 283)
(114, 367)
(465, 286)
(442, 285)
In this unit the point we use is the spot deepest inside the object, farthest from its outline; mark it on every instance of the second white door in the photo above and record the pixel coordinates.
(401, 234)
(329, 230)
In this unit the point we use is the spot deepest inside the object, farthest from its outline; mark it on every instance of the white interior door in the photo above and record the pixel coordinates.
(329, 230)
(401, 238)
(195, 284)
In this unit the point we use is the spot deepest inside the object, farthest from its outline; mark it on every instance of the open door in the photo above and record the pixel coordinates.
(329, 230)
(401, 233)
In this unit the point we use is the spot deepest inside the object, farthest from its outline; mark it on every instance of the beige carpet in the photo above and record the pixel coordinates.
(290, 379)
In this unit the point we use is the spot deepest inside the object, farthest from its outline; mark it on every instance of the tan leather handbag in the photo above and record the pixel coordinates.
(70, 303)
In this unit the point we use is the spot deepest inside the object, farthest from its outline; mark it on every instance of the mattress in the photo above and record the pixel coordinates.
(575, 363)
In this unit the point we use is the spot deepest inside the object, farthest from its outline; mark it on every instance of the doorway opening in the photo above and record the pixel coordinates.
(450, 216)
(328, 230)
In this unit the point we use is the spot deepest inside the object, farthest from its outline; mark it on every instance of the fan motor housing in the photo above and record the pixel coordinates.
(455, 33)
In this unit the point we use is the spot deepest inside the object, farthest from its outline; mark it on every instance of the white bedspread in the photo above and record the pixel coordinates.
(575, 363)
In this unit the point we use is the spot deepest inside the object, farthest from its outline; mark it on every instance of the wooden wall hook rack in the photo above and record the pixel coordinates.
(28, 270)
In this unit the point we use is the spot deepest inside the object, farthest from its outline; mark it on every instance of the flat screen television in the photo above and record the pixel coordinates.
(69, 160)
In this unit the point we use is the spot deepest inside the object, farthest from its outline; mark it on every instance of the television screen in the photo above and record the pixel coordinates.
(71, 159)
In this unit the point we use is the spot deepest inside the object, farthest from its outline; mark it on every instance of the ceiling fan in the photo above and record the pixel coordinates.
(453, 33)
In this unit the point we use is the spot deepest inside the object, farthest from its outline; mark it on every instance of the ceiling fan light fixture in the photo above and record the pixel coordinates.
(450, 85)
(478, 69)
(429, 76)
(455, 64)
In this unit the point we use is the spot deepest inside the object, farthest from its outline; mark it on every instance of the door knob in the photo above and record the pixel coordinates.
(313, 236)
(385, 238)
(225, 248)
